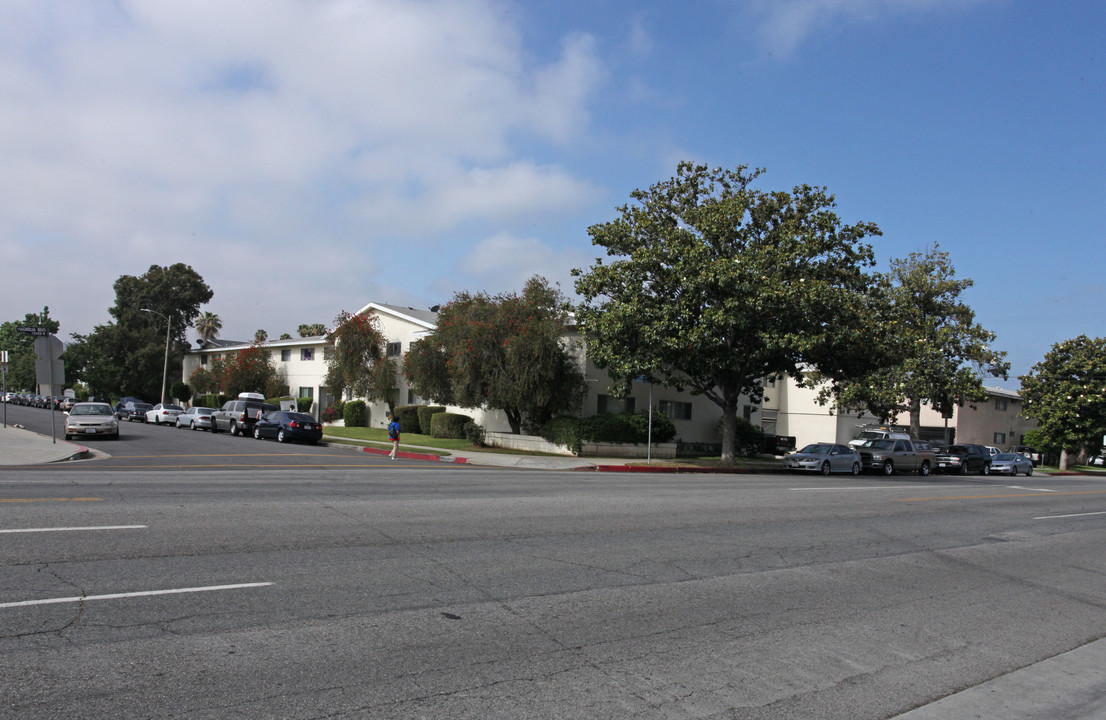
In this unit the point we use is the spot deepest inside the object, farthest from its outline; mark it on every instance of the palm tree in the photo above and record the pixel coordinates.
(208, 326)
(260, 336)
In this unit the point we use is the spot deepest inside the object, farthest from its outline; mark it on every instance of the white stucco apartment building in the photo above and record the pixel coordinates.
(787, 409)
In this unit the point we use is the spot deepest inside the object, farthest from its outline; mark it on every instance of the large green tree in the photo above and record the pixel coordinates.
(357, 359)
(929, 346)
(127, 355)
(506, 352)
(21, 350)
(714, 285)
(1066, 394)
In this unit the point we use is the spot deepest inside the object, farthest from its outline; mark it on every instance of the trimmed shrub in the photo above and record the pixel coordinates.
(474, 433)
(426, 412)
(449, 425)
(408, 416)
(355, 413)
(213, 400)
(181, 392)
(303, 404)
(631, 428)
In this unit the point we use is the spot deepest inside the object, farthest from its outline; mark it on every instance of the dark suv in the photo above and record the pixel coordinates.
(964, 459)
(238, 416)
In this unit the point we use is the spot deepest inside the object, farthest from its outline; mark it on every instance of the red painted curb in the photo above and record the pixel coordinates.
(416, 456)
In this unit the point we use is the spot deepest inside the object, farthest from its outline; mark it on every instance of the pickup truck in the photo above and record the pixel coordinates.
(891, 455)
(964, 459)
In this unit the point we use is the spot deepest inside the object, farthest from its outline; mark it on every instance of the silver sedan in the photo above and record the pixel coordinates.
(195, 418)
(1011, 464)
(825, 458)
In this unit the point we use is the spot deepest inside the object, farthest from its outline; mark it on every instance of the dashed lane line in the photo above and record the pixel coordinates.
(145, 593)
(71, 529)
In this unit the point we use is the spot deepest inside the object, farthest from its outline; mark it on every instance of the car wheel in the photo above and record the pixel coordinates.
(1029, 471)
(856, 468)
(888, 468)
(924, 469)
(986, 469)
(233, 428)
(826, 468)
(280, 436)
(964, 468)
(191, 424)
(257, 432)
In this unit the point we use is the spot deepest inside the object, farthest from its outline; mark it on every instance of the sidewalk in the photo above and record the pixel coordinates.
(19, 446)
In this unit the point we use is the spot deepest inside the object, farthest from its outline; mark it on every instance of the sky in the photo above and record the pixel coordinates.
(307, 157)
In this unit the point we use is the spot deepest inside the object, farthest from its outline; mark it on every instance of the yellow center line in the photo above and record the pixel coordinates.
(1007, 495)
(21, 500)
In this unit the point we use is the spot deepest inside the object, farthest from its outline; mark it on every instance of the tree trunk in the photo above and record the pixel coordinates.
(915, 418)
(1063, 460)
(514, 419)
(729, 429)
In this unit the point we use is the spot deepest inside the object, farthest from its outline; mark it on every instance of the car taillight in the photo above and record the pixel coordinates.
(294, 425)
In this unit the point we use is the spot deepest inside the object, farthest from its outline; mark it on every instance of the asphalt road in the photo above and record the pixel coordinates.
(213, 577)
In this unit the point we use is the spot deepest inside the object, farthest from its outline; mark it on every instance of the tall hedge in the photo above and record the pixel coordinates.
(426, 412)
(408, 416)
(449, 425)
(632, 428)
(355, 414)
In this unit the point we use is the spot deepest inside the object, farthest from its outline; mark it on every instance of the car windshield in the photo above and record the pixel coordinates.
(300, 417)
(879, 444)
(172, 407)
(816, 449)
(957, 450)
(1007, 457)
(90, 410)
(869, 434)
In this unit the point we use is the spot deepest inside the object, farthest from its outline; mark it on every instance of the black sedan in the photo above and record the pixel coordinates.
(286, 426)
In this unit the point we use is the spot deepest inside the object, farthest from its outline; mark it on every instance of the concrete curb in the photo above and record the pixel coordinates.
(413, 455)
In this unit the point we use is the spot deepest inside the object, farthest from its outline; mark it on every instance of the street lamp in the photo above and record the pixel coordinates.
(165, 368)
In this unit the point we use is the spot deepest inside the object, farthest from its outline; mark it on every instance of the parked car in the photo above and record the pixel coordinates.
(286, 426)
(195, 418)
(121, 410)
(91, 419)
(964, 459)
(1033, 455)
(68, 403)
(163, 413)
(136, 411)
(825, 458)
(1011, 464)
(238, 416)
(888, 456)
(778, 444)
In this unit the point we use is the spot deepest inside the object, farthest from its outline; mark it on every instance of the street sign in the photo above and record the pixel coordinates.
(36, 330)
(49, 369)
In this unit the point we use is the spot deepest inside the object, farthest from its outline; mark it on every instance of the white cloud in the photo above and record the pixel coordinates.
(503, 262)
(784, 24)
(268, 136)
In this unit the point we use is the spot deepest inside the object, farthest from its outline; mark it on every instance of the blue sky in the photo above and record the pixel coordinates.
(309, 156)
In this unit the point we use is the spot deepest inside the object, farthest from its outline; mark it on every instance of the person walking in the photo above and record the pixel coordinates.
(393, 435)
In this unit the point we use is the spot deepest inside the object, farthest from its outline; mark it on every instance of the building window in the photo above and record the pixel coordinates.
(203, 360)
(675, 409)
(610, 405)
(307, 354)
(286, 355)
(307, 392)
(1000, 403)
(1000, 438)
(393, 349)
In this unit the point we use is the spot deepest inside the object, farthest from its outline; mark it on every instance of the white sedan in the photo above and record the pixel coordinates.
(159, 414)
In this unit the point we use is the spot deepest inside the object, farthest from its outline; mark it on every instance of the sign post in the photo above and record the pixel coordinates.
(4, 372)
(49, 367)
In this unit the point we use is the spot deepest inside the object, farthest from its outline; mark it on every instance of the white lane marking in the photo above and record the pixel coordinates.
(1056, 517)
(881, 487)
(74, 529)
(146, 593)
(1019, 487)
